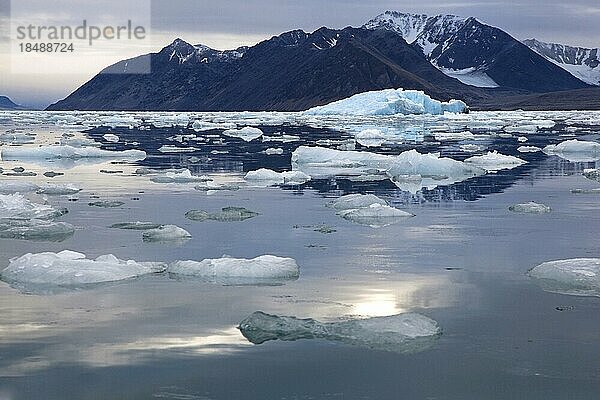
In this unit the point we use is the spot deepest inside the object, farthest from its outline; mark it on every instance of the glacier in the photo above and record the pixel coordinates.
(576, 276)
(401, 333)
(389, 102)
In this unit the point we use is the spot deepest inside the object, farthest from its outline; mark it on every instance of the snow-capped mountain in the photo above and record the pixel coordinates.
(582, 62)
(475, 53)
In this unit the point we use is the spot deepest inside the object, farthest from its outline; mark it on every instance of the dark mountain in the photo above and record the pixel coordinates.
(8, 104)
(476, 53)
(293, 71)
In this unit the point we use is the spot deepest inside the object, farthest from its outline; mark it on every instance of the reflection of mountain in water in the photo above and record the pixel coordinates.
(219, 153)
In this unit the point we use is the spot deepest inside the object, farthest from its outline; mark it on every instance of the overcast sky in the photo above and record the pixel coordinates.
(229, 23)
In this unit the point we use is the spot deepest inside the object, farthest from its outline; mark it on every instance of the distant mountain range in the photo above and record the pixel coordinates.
(445, 56)
(581, 62)
(8, 104)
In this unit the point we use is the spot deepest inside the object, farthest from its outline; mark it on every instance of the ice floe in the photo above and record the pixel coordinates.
(136, 225)
(58, 189)
(494, 161)
(247, 133)
(35, 229)
(16, 206)
(266, 269)
(375, 215)
(389, 102)
(402, 333)
(110, 137)
(267, 177)
(56, 151)
(577, 276)
(530, 207)
(370, 138)
(166, 233)
(592, 173)
(353, 201)
(227, 214)
(70, 269)
(575, 150)
(176, 176)
(528, 149)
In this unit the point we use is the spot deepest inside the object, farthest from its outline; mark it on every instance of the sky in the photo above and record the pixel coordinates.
(224, 24)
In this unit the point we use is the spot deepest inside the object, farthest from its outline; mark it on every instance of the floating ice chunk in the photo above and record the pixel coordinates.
(586, 191)
(15, 206)
(494, 161)
(370, 138)
(465, 135)
(577, 276)
(593, 174)
(227, 214)
(266, 177)
(388, 102)
(200, 126)
(58, 189)
(166, 233)
(174, 149)
(524, 128)
(35, 229)
(137, 225)
(402, 333)
(211, 186)
(575, 150)
(70, 269)
(227, 270)
(375, 215)
(282, 138)
(321, 162)
(106, 203)
(471, 148)
(353, 201)
(11, 187)
(79, 142)
(522, 139)
(247, 133)
(273, 151)
(109, 137)
(178, 176)
(57, 152)
(530, 207)
(528, 149)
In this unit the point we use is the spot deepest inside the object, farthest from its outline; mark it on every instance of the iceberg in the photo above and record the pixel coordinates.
(575, 150)
(16, 206)
(530, 207)
(389, 102)
(177, 176)
(494, 161)
(247, 133)
(592, 174)
(401, 333)
(57, 152)
(35, 229)
(227, 214)
(576, 276)
(266, 269)
(69, 269)
(321, 162)
(370, 138)
(353, 201)
(375, 215)
(266, 177)
(166, 233)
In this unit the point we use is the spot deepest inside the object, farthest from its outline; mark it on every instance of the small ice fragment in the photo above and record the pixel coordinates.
(70, 269)
(58, 189)
(586, 191)
(577, 276)
(109, 137)
(265, 177)
(370, 138)
(575, 150)
(166, 233)
(402, 333)
(528, 149)
(353, 201)
(247, 133)
(375, 215)
(465, 135)
(16, 206)
(174, 149)
(593, 174)
(494, 161)
(522, 139)
(273, 151)
(471, 148)
(227, 270)
(137, 225)
(106, 203)
(530, 207)
(227, 214)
